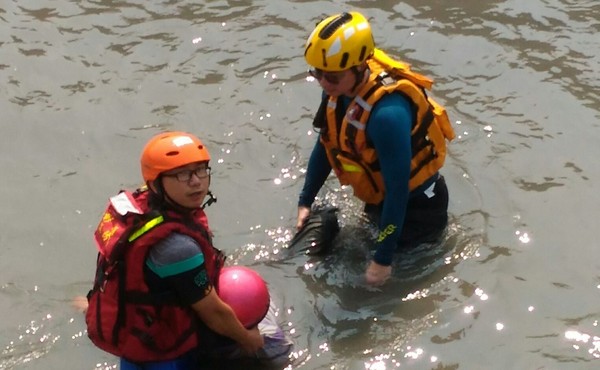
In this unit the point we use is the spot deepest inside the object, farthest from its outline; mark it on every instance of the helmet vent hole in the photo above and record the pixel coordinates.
(344, 60)
(363, 51)
(330, 29)
(172, 153)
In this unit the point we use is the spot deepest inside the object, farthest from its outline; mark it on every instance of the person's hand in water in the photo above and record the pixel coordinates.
(80, 303)
(377, 274)
(303, 213)
(254, 341)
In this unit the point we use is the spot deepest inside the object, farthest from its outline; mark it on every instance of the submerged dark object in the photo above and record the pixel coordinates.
(318, 232)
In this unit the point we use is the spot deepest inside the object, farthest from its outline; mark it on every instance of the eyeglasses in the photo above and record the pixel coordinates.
(333, 78)
(186, 175)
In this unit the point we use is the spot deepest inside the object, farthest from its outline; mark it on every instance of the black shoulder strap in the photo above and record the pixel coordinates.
(320, 120)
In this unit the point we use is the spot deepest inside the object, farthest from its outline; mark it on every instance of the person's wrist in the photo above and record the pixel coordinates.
(245, 340)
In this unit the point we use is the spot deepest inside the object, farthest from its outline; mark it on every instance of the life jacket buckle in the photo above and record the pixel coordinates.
(386, 79)
(104, 276)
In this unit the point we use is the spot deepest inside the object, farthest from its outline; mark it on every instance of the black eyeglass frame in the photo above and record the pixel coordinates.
(186, 175)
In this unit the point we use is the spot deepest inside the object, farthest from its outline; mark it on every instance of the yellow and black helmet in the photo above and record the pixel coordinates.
(340, 42)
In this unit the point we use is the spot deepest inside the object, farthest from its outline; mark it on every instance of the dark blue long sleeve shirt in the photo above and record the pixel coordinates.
(388, 129)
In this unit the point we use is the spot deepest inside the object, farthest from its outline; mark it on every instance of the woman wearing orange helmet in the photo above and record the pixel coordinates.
(157, 269)
(381, 134)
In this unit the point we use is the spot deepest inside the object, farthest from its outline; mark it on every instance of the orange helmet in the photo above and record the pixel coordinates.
(169, 150)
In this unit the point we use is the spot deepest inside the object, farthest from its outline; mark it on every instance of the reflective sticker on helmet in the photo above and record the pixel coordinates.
(182, 140)
(348, 32)
(362, 26)
(335, 47)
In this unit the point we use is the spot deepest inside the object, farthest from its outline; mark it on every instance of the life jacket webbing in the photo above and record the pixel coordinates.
(372, 90)
(151, 343)
(98, 316)
(120, 321)
(319, 123)
(419, 137)
(363, 103)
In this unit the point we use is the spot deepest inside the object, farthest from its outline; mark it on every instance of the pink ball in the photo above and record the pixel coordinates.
(246, 292)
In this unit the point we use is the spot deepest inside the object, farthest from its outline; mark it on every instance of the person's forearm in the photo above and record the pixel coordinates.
(220, 318)
(224, 322)
(316, 174)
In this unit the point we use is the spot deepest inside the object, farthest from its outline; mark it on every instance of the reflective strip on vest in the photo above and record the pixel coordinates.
(357, 124)
(147, 227)
(360, 101)
(364, 105)
(351, 168)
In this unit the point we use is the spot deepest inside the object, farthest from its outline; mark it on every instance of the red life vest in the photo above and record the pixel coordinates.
(123, 317)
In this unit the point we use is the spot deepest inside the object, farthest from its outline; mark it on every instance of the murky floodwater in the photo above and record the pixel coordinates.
(516, 285)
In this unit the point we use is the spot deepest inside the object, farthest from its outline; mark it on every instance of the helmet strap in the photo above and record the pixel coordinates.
(211, 199)
(359, 76)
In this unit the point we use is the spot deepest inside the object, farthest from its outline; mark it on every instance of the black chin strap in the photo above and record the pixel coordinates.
(211, 199)
(359, 77)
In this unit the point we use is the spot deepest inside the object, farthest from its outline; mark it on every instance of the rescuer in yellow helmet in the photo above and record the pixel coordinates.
(381, 134)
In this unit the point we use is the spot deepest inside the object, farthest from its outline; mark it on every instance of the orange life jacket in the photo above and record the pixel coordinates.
(123, 317)
(354, 159)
